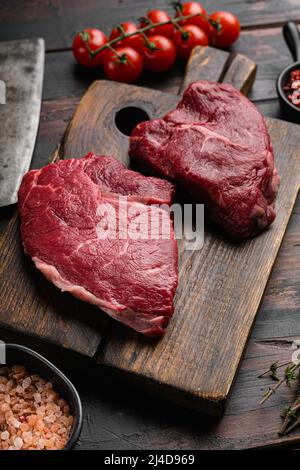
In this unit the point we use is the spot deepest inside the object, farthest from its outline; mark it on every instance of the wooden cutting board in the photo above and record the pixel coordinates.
(220, 287)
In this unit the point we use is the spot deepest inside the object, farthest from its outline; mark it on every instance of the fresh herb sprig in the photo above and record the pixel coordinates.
(290, 375)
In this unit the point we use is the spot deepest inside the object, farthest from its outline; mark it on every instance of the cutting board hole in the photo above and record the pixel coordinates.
(127, 118)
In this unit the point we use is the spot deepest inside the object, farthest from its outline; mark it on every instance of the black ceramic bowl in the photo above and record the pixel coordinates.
(286, 104)
(292, 38)
(37, 364)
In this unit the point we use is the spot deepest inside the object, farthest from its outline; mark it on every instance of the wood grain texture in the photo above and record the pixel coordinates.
(219, 292)
(31, 305)
(57, 20)
(211, 62)
(266, 47)
(218, 65)
(119, 415)
(132, 420)
(96, 124)
(59, 313)
(210, 324)
(240, 73)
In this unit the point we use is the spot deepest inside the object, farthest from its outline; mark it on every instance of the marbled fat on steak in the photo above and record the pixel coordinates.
(133, 280)
(215, 144)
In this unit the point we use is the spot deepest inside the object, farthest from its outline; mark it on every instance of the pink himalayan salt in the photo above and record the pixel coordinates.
(32, 414)
(18, 443)
(4, 435)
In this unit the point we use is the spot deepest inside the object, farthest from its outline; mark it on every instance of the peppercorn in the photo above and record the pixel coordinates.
(292, 87)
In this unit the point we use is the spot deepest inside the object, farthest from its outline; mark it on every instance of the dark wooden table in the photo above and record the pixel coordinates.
(118, 416)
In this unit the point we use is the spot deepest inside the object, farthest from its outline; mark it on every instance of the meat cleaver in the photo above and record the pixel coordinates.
(21, 81)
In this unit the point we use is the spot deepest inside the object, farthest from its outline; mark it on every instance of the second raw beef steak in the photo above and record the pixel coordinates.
(215, 144)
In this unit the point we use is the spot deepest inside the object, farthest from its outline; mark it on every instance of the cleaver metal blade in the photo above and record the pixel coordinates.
(21, 82)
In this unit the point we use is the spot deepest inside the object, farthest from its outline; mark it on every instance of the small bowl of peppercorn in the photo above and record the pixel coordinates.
(288, 82)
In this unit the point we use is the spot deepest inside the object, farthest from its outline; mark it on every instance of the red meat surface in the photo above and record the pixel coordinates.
(215, 144)
(62, 208)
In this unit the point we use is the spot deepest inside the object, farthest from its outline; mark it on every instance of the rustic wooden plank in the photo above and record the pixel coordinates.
(270, 108)
(115, 420)
(57, 20)
(245, 425)
(21, 20)
(32, 305)
(280, 309)
(267, 48)
(268, 12)
(240, 73)
(63, 325)
(215, 300)
(56, 114)
(64, 79)
(126, 350)
(207, 61)
(218, 65)
(122, 421)
(113, 97)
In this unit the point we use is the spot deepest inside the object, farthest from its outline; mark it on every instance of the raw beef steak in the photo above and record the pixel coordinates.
(71, 227)
(216, 144)
(112, 177)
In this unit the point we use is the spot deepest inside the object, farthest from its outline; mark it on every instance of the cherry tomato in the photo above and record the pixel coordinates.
(159, 16)
(194, 8)
(129, 28)
(161, 54)
(94, 39)
(229, 31)
(186, 40)
(124, 65)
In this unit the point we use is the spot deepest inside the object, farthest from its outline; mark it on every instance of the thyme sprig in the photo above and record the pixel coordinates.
(291, 374)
